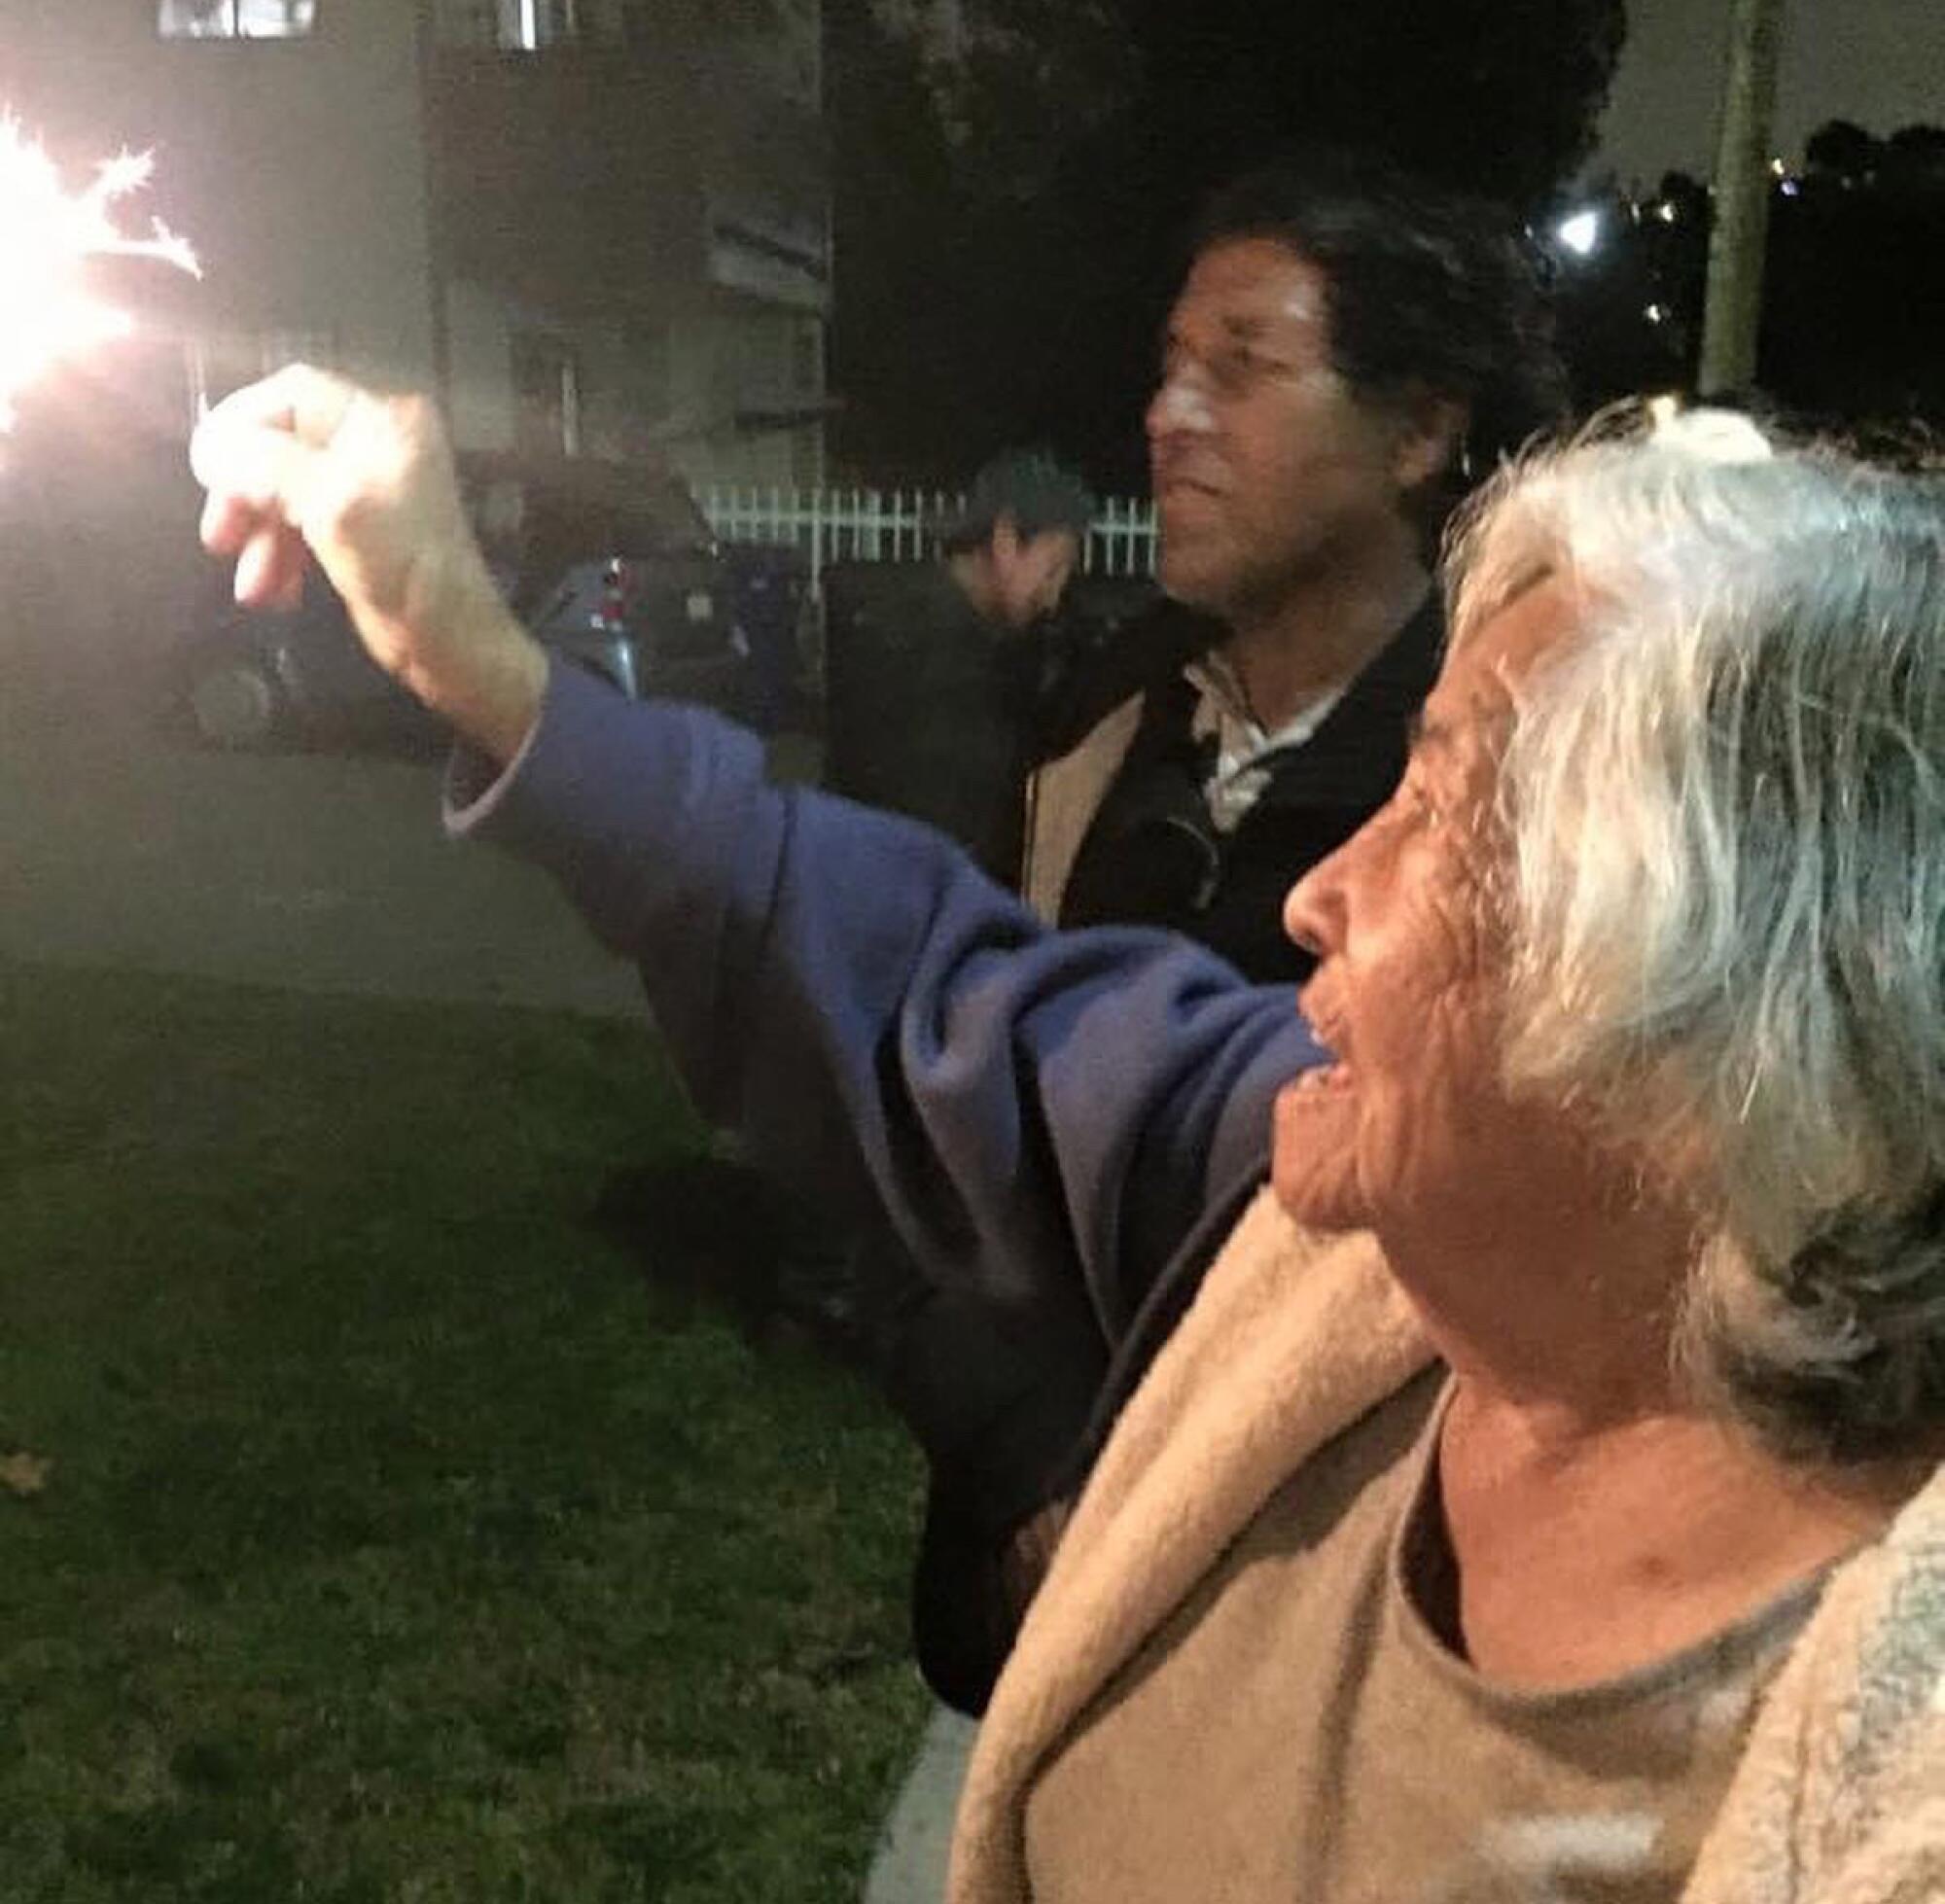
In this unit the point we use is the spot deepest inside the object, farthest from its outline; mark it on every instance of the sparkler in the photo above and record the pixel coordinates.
(48, 238)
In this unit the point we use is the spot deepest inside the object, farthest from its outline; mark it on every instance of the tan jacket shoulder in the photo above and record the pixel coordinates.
(1062, 799)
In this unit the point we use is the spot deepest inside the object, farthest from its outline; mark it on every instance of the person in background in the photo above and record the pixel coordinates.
(1538, 1488)
(937, 677)
(1350, 348)
(933, 671)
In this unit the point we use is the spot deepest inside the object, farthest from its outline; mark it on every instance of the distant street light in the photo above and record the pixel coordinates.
(1580, 233)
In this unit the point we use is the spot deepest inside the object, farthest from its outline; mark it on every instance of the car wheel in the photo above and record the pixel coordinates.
(234, 706)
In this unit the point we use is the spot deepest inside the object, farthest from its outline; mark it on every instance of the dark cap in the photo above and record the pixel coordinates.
(1038, 493)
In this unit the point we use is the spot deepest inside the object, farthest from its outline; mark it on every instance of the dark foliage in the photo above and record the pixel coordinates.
(1004, 279)
(1855, 278)
(1498, 95)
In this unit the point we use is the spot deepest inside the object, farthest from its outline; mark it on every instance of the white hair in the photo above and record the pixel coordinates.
(1727, 801)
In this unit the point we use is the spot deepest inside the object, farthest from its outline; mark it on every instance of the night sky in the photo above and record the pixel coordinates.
(1881, 62)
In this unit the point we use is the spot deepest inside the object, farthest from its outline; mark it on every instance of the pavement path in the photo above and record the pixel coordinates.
(916, 1844)
(313, 871)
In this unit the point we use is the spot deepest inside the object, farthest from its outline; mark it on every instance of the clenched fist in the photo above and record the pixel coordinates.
(367, 481)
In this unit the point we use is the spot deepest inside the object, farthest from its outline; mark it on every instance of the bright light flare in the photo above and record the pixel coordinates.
(1580, 233)
(46, 236)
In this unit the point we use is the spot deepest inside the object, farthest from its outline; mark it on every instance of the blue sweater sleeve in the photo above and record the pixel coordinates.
(885, 1025)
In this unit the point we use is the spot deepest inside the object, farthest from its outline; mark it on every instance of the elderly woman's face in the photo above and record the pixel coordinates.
(1411, 1123)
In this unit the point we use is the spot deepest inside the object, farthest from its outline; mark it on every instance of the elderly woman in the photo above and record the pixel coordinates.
(1531, 1497)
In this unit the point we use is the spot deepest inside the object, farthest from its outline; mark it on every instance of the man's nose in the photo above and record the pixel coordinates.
(1180, 406)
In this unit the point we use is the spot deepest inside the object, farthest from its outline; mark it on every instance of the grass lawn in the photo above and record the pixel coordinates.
(402, 1542)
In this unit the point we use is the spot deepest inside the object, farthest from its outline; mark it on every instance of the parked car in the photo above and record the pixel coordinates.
(611, 566)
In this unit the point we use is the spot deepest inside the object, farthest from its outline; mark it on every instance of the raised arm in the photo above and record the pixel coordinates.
(886, 1024)
(1030, 1109)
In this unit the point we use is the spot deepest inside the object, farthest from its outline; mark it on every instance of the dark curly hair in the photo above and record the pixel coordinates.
(1428, 290)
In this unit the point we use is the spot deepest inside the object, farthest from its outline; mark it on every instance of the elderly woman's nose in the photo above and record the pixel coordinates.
(1313, 909)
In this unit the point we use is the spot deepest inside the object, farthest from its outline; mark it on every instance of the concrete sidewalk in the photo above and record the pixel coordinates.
(910, 1862)
(316, 872)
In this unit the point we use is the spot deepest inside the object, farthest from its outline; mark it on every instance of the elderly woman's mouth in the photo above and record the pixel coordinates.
(1321, 1079)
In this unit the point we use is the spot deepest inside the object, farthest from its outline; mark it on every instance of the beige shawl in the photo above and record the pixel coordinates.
(1841, 1796)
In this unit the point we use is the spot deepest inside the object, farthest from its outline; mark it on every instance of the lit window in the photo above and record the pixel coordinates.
(538, 24)
(236, 19)
(533, 25)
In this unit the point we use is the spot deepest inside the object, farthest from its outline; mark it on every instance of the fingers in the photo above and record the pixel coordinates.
(227, 524)
(303, 459)
(258, 451)
(270, 568)
(255, 453)
(258, 466)
(299, 400)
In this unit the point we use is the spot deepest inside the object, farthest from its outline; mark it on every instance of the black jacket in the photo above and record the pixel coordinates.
(1011, 1405)
(1153, 856)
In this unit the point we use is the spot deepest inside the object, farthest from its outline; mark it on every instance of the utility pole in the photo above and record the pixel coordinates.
(1743, 185)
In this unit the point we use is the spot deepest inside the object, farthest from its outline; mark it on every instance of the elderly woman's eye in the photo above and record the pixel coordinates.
(1420, 804)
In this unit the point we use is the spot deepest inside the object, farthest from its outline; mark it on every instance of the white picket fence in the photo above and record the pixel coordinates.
(901, 525)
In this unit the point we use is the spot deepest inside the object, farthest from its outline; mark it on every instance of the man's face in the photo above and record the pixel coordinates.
(1030, 572)
(1265, 466)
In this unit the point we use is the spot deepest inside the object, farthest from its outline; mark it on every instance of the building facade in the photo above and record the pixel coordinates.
(596, 227)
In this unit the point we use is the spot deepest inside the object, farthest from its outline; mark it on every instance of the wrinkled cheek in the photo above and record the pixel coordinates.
(1322, 1198)
(1388, 1151)
(1315, 1170)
